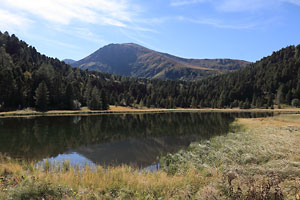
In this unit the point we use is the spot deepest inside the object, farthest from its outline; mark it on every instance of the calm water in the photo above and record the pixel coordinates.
(134, 139)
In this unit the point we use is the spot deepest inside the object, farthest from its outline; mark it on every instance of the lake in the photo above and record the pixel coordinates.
(133, 139)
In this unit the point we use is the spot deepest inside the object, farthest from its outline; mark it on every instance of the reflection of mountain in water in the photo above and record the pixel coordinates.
(107, 138)
(138, 152)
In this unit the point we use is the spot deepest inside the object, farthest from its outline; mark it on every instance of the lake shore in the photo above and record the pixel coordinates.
(130, 110)
(257, 159)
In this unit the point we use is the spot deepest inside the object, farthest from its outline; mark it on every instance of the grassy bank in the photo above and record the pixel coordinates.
(123, 110)
(258, 159)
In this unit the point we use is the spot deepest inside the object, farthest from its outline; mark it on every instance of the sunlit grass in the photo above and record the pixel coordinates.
(101, 183)
(263, 151)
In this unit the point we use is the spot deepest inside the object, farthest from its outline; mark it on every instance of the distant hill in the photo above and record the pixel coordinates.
(137, 61)
(69, 61)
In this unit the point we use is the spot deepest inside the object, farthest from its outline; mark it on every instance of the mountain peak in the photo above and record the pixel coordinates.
(131, 59)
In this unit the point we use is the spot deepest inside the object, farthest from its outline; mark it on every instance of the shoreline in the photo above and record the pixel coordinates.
(128, 110)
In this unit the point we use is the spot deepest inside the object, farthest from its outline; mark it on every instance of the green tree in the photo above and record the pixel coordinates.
(69, 97)
(7, 81)
(270, 100)
(259, 102)
(246, 104)
(280, 96)
(95, 102)
(194, 103)
(104, 102)
(222, 100)
(41, 97)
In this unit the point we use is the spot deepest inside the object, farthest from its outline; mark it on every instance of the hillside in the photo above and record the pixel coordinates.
(272, 80)
(30, 79)
(137, 61)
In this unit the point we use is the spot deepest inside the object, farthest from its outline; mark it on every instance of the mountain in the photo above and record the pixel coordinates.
(30, 79)
(137, 61)
(69, 61)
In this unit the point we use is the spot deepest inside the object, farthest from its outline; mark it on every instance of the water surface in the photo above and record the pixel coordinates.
(133, 139)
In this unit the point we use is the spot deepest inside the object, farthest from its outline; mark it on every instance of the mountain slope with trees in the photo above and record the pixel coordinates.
(137, 61)
(273, 80)
(30, 79)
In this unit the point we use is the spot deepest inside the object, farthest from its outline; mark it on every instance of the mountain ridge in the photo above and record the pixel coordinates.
(131, 59)
(69, 61)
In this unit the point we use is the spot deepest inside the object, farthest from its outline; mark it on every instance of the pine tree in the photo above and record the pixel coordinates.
(69, 97)
(95, 102)
(246, 104)
(104, 102)
(87, 92)
(194, 103)
(41, 97)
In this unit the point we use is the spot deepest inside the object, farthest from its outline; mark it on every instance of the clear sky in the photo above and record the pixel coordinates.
(240, 29)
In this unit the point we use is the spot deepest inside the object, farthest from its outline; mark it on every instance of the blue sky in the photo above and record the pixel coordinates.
(240, 29)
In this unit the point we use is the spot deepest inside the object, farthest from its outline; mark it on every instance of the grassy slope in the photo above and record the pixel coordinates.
(259, 159)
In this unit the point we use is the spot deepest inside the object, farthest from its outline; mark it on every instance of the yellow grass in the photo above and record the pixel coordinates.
(122, 109)
(264, 151)
(119, 182)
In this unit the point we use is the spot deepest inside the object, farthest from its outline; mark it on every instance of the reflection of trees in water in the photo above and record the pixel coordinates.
(41, 137)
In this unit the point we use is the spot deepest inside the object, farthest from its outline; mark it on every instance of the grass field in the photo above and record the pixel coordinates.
(258, 159)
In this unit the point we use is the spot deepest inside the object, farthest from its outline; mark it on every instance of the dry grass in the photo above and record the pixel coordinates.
(112, 183)
(28, 112)
(260, 160)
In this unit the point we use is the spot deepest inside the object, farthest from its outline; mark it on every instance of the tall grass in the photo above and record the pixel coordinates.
(54, 182)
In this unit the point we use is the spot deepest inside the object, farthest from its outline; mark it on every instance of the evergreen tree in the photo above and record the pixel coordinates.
(270, 100)
(148, 102)
(95, 102)
(69, 97)
(141, 103)
(253, 103)
(246, 104)
(259, 102)
(222, 99)
(41, 97)
(104, 101)
(280, 96)
(194, 103)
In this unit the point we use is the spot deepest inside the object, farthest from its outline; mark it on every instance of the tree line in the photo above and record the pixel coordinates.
(30, 79)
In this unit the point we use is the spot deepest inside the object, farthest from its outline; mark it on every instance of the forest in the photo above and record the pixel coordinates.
(30, 79)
